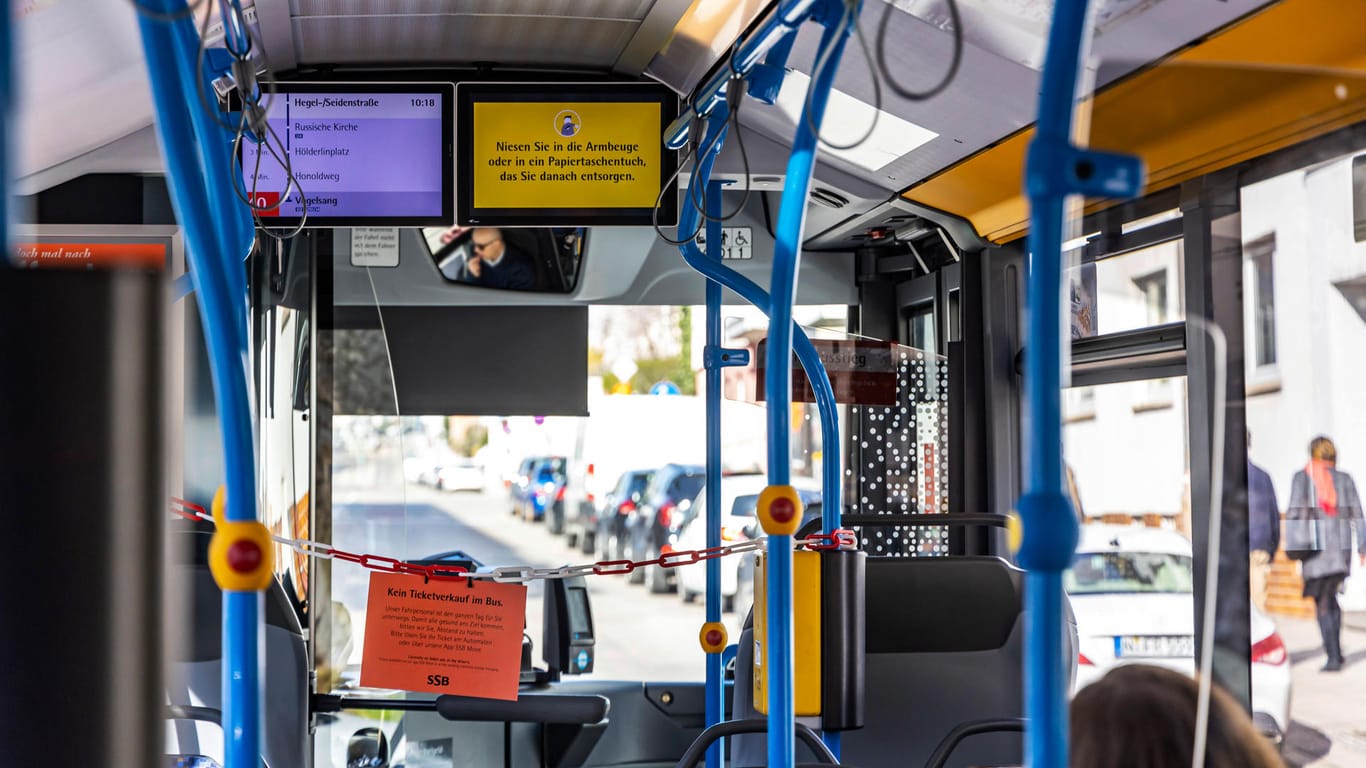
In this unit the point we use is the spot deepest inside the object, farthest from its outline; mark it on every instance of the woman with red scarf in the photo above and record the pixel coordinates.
(1321, 485)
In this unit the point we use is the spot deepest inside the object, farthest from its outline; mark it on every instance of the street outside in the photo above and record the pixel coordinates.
(640, 636)
(1327, 710)
(644, 636)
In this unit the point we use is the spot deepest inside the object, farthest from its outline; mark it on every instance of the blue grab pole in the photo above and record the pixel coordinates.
(720, 275)
(807, 357)
(783, 286)
(213, 258)
(716, 705)
(1054, 169)
(806, 352)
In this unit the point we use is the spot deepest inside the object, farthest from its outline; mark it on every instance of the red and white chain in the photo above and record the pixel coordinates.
(516, 574)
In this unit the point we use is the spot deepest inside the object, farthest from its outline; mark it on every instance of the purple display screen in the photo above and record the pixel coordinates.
(358, 157)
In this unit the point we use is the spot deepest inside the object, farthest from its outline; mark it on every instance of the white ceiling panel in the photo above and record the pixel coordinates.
(461, 39)
(995, 92)
(595, 9)
(553, 33)
(81, 80)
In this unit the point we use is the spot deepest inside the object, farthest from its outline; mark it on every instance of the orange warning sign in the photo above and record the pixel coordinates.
(91, 255)
(458, 637)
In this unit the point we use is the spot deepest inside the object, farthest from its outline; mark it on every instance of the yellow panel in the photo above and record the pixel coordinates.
(1279, 78)
(806, 634)
(566, 154)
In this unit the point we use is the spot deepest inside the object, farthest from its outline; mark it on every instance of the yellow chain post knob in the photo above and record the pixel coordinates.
(1014, 531)
(780, 510)
(713, 637)
(241, 555)
(219, 505)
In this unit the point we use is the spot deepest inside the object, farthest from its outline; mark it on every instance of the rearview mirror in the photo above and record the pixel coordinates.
(538, 259)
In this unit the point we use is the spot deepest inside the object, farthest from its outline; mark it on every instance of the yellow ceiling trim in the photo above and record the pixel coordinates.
(1283, 76)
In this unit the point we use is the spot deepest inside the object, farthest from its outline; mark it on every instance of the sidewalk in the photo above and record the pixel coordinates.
(1327, 710)
(1354, 620)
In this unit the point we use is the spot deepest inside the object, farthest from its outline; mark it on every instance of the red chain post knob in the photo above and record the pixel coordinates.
(713, 637)
(782, 510)
(244, 556)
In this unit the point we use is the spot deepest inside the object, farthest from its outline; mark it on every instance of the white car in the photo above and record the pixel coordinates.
(739, 494)
(1131, 589)
(460, 474)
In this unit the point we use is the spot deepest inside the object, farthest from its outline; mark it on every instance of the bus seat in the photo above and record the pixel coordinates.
(194, 674)
(945, 645)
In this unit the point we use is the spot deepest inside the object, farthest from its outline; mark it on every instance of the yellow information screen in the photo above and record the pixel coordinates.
(566, 155)
(595, 157)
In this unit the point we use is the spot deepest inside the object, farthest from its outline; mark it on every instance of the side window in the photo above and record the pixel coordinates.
(920, 327)
(1359, 198)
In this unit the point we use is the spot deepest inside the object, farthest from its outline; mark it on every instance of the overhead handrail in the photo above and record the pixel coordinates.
(217, 232)
(1055, 168)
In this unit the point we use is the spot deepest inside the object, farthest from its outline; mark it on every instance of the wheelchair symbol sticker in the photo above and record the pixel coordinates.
(736, 243)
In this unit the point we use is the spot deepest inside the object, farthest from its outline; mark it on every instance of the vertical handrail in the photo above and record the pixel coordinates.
(719, 275)
(807, 356)
(778, 383)
(190, 155)
(1055, 169)
(716, 705)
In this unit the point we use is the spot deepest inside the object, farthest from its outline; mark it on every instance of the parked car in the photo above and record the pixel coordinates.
(656, 517)
(607, 445)
(460, 474)
(617, 506)
(521, 481)
(425, 468)
(547, 491)
(1132, 592)
(739, 497)
(536, 492)
(585, 496)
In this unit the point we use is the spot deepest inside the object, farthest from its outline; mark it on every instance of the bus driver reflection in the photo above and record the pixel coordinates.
(492, 262)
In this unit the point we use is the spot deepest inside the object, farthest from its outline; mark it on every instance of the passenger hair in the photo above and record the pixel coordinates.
(1142, 716)
(1322, 448)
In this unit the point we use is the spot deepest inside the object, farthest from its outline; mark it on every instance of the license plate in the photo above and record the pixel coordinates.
(1155, 646)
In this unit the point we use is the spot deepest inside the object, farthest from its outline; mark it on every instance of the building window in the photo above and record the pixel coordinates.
(1153, 288)
(1359, 198)
(1264, 306)
(1078, 404)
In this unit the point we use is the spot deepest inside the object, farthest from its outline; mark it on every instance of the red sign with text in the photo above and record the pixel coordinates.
(91, 255)
(862, 372)
(458, 637)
